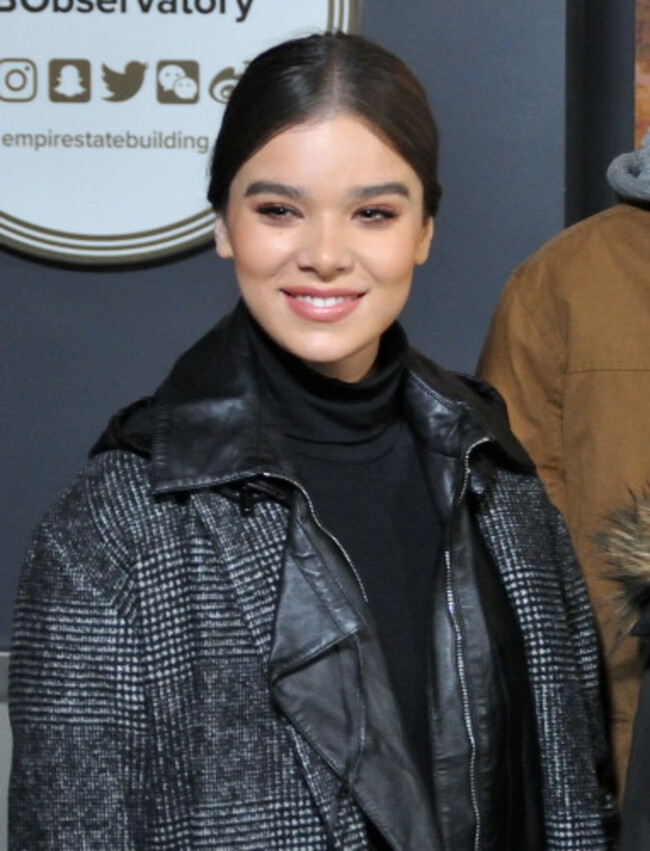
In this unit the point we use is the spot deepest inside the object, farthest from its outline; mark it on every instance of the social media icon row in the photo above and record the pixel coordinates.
(69, 81)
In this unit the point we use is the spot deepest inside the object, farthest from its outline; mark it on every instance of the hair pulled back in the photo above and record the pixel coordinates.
(319, 75)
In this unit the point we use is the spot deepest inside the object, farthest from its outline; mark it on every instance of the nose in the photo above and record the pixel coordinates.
(325, 250)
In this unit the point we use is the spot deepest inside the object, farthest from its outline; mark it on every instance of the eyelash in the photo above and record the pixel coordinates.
(368, 215)
(376, 214)
(276, 211)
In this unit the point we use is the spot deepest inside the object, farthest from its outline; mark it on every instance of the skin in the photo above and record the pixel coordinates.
(325, 225)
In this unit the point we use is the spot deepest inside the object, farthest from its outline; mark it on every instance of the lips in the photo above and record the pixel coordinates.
(320, 307)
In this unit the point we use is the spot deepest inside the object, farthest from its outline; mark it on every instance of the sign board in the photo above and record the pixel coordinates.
(108, 110)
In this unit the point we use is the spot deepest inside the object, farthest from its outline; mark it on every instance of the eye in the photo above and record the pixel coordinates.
(376, 215)
(276, 212)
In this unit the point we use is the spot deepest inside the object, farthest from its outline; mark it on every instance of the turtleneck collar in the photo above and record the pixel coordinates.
(313, 408)
(204, 427)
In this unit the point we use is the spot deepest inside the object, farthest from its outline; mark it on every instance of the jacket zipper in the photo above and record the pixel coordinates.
(456, 619)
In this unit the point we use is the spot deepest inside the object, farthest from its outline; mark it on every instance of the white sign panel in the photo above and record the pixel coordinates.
(108, 110)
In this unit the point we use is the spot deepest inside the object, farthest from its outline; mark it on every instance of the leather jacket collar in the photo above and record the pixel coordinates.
(211, 426)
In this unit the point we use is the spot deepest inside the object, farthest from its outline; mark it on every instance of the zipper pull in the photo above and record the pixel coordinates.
(481, 476)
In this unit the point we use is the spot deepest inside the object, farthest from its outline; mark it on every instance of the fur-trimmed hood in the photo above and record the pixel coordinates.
(625, 544)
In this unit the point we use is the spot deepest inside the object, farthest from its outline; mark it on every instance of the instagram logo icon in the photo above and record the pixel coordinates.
(17, 79)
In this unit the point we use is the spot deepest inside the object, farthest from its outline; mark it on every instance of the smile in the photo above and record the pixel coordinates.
(316, 307)
(326, 301)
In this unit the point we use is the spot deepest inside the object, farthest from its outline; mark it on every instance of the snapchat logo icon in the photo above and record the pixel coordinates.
(69, 80)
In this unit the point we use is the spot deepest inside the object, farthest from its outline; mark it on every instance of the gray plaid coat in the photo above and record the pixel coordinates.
(193, 665)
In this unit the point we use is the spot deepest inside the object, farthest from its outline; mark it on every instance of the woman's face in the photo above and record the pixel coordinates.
(325, 226)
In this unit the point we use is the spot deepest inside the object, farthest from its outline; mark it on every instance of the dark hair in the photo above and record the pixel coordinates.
(301, 79)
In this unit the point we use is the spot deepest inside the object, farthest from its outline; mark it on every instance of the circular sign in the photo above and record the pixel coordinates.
(108, 111)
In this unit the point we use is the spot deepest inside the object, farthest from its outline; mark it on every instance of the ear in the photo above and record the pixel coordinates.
(424, 244)
(222, 238)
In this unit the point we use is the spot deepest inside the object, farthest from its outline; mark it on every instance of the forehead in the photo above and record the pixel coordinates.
(334, 147)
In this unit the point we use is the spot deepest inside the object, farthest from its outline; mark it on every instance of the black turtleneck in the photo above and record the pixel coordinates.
(358, 461)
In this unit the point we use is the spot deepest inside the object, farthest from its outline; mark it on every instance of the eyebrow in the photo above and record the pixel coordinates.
(361, 193)
(258, 187)
(393, 188)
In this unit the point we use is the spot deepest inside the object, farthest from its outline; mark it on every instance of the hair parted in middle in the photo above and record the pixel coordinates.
(325, 74)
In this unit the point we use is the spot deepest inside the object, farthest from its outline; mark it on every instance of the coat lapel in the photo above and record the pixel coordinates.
(329, 676)
(251, 549)
(311, 626)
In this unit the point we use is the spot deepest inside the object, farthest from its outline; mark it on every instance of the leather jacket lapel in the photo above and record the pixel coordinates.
(329, 677)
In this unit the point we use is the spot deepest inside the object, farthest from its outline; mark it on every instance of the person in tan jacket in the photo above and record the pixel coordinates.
(569, 350)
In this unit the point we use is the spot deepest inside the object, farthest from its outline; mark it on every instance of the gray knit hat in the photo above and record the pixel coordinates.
(629, 174)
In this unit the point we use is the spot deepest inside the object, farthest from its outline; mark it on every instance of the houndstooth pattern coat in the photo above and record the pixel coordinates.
(188, 648)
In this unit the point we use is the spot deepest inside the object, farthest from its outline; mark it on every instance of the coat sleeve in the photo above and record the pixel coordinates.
(585, 641)
(523, 357)
(589, 660)
(532, 550)
(75, 693)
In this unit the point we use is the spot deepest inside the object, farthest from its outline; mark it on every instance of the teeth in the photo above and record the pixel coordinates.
(319, 301)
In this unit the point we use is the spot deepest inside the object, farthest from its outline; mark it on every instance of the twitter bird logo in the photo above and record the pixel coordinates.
(123, 86)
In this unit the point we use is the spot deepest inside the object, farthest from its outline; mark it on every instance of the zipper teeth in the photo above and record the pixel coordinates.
(460, 656)
(325, 532)
(467, 717)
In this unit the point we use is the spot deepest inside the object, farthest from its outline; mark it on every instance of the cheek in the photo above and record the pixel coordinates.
(259, 252)
(250, 256)
(393, 260)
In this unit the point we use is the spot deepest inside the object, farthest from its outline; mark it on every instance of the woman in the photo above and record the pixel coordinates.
(310, 595)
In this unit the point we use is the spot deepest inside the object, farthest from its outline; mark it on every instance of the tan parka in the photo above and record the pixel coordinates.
(569, 349)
